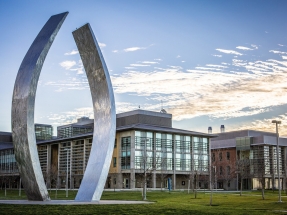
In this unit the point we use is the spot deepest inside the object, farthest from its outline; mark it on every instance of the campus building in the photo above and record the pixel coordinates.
(145, 144)
(249, 158)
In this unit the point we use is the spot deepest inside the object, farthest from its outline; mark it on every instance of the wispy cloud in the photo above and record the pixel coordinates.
(73, 52)
(243, 48)
(217, 55)
(158, 59)
(115, 51)
(216, 66)
(80, 68)
(277, 52)
(178, 56)
(137, 64)
(102, 45)
(254, 46)
(265, 125)
(228, 51)
(149, 62)
(240, 92)
(132, 49)
(67, 64)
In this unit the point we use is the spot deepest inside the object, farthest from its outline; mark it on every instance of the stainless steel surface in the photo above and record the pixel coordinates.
(98, 165)
(23, 103)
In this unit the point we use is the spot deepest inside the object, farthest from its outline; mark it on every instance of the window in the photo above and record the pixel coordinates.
(213, 157)
(220, 170)
(114, 162)
(228, 155)
(228, 170)
(228, 184)
(115, 145)
(126, 151)
(220, 156)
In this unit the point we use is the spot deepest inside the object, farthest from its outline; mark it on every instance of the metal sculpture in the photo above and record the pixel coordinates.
(23, 103)
(104, 115)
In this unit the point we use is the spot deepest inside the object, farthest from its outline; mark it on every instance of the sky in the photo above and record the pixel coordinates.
(208, 63)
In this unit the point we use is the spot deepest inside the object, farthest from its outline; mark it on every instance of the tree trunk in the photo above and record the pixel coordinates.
(263, 187)
(241, 182)
(211, 193)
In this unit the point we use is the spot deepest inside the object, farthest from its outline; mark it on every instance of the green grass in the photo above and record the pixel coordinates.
(165, 203)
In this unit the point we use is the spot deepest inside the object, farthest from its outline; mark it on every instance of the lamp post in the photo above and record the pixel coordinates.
(215, 179)
(145, 160)
(66, 149)
(278, 169)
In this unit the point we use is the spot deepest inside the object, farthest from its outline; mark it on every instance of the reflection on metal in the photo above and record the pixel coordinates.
(23, 103)
(104, 115)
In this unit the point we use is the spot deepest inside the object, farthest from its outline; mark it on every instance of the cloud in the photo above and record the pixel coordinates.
(243, 48)
(280, 45)
(135, 64)
(265, 125)
(277, 52)
(228, 51)
(80, 69)
(207, 68)
(210, 91)
(73, 52)
(216, 66)
(178, 56)
(158, 59)
(284, 57)
(132, 49)
(67, 64)
(183, 61)
(102, 45)
(115, 51)
(149, 62)
(217, 55)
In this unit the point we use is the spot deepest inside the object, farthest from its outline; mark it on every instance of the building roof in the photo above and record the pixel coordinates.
(228, 139)
(163, 129)
(6, 145)
(144, 112)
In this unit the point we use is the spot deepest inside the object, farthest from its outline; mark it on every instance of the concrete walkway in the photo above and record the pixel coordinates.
(72, 202)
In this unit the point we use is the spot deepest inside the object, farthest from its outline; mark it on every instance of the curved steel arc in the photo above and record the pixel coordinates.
(104, 115)
(23, 103)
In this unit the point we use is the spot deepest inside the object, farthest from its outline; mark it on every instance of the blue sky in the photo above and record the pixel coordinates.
(209, 62)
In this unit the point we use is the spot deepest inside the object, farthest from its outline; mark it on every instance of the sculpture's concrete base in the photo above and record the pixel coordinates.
(71, 202)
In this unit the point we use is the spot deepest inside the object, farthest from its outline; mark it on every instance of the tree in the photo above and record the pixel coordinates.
(54, 177)
(243, 169)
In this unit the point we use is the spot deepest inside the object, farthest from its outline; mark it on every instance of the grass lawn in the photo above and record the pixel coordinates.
(165, 203)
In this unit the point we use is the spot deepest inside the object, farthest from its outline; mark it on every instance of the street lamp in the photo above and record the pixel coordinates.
(278, 169)
(145, 160)
(66, 149)
(215, 179)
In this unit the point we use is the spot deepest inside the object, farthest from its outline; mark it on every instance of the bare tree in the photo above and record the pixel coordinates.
(243, 168)
(54, 177)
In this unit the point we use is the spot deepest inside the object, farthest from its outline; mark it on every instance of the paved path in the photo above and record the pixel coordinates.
(72, 202)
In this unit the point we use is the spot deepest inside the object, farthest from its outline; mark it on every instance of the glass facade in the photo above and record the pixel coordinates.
(7, 161)
(73, 130)
(126, 152)
(43, 132)
(201, 152)
(170, 152)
